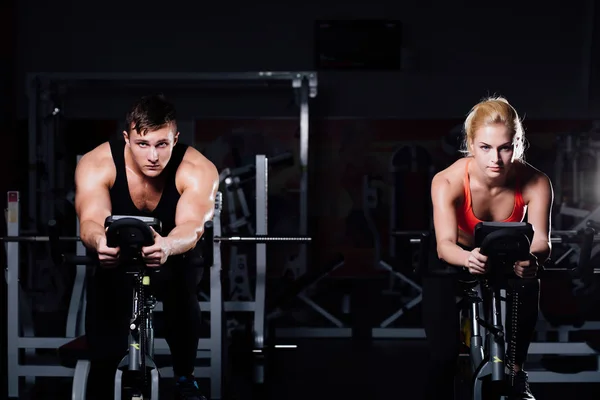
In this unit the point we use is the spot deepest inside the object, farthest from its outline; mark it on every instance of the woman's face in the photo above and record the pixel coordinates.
(492, 147)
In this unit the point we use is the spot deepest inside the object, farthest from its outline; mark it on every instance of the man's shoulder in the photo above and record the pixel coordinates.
(97, 161)
(98, 153)
(196, 165)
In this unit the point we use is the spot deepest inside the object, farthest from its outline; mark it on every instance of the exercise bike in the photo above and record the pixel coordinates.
(130, 234)
(137, 376)
(504, 243)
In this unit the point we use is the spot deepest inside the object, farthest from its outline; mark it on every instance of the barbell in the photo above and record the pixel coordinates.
(37, 238)
(208, 229)
(230, 239)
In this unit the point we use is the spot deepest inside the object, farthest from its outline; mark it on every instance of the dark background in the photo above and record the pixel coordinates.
(543, 56)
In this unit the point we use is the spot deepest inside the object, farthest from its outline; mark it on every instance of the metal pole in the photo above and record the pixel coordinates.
(12, 282)
(217, 319)
(33, 90)
(262, 191)
(304, 131)
(76, 315)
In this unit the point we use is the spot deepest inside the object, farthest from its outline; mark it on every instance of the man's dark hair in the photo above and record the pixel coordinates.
(150, 113)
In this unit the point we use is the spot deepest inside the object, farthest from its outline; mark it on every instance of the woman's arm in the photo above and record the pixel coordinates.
(444, 198)
(541, 196)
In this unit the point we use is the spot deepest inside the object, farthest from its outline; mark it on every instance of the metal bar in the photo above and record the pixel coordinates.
(37, 238)
(202, 76)
(262, 191)
(261, 239)
(306, 332)
(572, 240)
(216, 310)
(397, 333)
(80, 378)
(557, 377)
(42, 370)
(228, 306)
(337, 322)
(255, 239)
(400, 275)
(572, 348)
(401, 311)
(304, 137)
(79, 298)
(561, 237)
(41, 342)
(12, 283)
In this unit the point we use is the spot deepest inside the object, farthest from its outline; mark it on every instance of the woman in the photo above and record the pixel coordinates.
(492, 183)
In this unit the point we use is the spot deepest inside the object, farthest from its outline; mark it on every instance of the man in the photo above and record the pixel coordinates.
(149, 173)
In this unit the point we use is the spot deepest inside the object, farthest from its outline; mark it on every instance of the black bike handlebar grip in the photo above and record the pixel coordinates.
(112, 233)
(207, 244)
(54, 241)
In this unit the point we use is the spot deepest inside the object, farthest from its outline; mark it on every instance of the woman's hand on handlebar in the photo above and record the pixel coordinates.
(476, 262)
(108, 256)
(156, 255)
(527, 269)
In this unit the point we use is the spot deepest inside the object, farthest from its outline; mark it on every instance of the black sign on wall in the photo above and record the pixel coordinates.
(358, 45)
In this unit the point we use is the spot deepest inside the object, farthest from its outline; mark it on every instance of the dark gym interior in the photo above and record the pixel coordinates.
(327, 123)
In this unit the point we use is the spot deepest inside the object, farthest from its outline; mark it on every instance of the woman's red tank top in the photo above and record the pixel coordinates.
(466, 218)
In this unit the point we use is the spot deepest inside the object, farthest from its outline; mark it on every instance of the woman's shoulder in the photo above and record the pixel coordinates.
(532, 179)
(530, 175)
(450, 180)
(455, 171)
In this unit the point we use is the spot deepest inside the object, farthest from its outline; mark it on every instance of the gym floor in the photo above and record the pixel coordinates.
(342, 369)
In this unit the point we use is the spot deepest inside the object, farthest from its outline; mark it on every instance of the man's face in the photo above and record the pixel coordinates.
(151, 152)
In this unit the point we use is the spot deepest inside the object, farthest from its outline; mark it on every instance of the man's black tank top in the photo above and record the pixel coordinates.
(122, 204)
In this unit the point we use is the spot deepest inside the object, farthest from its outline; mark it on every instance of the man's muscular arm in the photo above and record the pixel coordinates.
(196, 206)
(92, 199)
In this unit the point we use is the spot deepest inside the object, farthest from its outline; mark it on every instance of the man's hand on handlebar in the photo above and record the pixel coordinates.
(527, 269)
(156, 255)
(107, 256)
(476, 262)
